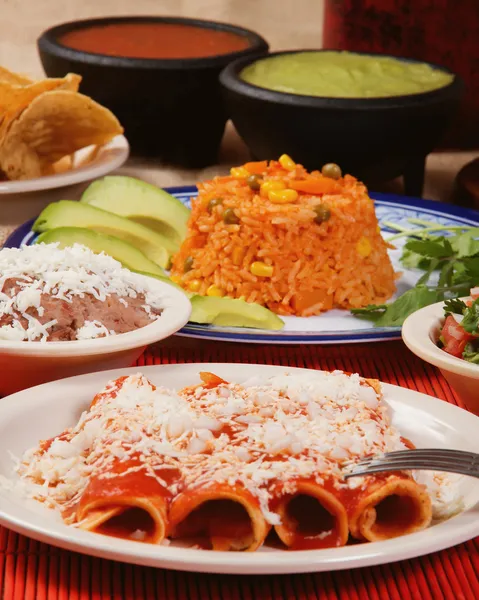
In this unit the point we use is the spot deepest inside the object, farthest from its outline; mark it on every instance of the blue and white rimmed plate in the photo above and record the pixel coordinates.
(334, 326)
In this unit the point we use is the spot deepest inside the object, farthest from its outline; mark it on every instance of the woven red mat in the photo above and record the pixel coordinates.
(29, 569)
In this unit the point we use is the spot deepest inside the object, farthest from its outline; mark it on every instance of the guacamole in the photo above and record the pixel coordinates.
(344, 75)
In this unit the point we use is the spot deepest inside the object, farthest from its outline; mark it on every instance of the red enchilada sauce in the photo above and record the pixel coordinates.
(154, 40)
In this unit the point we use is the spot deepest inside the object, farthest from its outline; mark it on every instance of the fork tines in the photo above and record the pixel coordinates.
(432, 459)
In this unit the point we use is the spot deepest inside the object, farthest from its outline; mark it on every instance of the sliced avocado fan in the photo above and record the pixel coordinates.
(140, 202)
(67, 213)
(129, 256)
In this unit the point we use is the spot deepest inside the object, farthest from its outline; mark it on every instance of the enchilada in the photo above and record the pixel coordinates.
(224, 465)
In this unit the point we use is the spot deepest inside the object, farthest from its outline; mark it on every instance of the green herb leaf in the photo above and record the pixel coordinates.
(439, 247)
(445, 278)
(433, 264)
(409, 302)
(371, 312)
(393, 315)
(466, 244)
(412, 260)
(470, 322)
(471, 353)
(471, 266)
(454, 306)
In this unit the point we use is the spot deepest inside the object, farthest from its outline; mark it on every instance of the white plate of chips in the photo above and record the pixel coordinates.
(82, 166)
(53, 136)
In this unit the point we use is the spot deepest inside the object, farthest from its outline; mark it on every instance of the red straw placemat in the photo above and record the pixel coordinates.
(29, 569)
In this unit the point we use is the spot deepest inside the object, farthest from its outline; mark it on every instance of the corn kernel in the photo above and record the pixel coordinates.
(363, 247)
(261, 269)
(287, 162)
(214, 290)
(194, 285)
(239, 173)
(268, 186)
(176, 279)
(282, 196)
(237, 256)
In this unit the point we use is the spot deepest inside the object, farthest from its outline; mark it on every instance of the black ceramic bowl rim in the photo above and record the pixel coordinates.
(48, 42)
(231, 80)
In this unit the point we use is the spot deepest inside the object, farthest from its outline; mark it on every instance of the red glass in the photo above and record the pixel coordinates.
(445, 32)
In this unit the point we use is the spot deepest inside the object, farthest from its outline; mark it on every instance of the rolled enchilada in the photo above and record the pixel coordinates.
(388, 506)
(221, 465)
(312, 517)
(127, 502)
(219, 517)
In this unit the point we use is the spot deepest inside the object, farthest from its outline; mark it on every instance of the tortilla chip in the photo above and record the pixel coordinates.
(18, 161)
(61, 166)
(55, 124)
(13, 78)
(88, 157)
(15, 98)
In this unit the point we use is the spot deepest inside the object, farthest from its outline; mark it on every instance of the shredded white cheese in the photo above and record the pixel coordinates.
(317, 423)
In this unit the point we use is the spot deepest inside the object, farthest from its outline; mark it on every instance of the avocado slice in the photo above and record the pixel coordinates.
(166, 279)
(129, 256)
(231, 312)
(226, 312)
(67, 212)
(140, 202)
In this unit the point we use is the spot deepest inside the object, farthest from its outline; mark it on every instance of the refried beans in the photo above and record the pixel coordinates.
(52, 294)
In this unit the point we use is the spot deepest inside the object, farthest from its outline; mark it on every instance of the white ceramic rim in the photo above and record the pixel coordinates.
(417, 407)
(418, 332)
(174, 316)
(110, 156)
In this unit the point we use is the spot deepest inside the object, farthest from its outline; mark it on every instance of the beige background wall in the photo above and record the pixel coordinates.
(284, 23)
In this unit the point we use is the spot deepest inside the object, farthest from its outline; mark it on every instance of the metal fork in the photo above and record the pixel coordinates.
(425, 459)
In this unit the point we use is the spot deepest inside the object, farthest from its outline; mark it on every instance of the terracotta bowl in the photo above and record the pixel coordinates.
(25, 364)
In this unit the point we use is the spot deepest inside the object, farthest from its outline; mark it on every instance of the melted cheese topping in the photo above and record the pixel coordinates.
(261, 435)
(46, 269)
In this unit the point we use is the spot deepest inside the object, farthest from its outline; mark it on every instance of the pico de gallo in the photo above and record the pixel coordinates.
(461, 337)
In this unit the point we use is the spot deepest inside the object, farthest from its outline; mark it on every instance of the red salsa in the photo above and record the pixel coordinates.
(154, 40)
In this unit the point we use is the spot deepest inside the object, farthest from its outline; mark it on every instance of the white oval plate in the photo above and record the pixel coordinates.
(111, 156)
(44, 411)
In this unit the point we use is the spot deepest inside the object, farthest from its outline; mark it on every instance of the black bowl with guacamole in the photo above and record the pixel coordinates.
(376, 116)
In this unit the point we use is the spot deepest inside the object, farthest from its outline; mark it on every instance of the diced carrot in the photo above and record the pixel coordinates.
(196, 241)
(256, 168)
(306, 299)
(315, 185)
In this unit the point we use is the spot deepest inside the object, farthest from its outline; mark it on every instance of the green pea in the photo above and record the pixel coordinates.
(331, 170)
(188, 264)
(214, 202)
(322, 213)
(230, 217)
(254, 182)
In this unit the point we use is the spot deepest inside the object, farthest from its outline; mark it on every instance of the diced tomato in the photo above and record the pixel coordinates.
(474, 293)
(455, 338)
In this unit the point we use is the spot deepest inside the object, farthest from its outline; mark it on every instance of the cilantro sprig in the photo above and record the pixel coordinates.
(454, 258)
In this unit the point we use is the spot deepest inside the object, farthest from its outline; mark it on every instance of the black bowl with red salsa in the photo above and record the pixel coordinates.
(159, 75)
(460, 338)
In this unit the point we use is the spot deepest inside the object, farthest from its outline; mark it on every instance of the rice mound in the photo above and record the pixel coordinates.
(341, 262)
